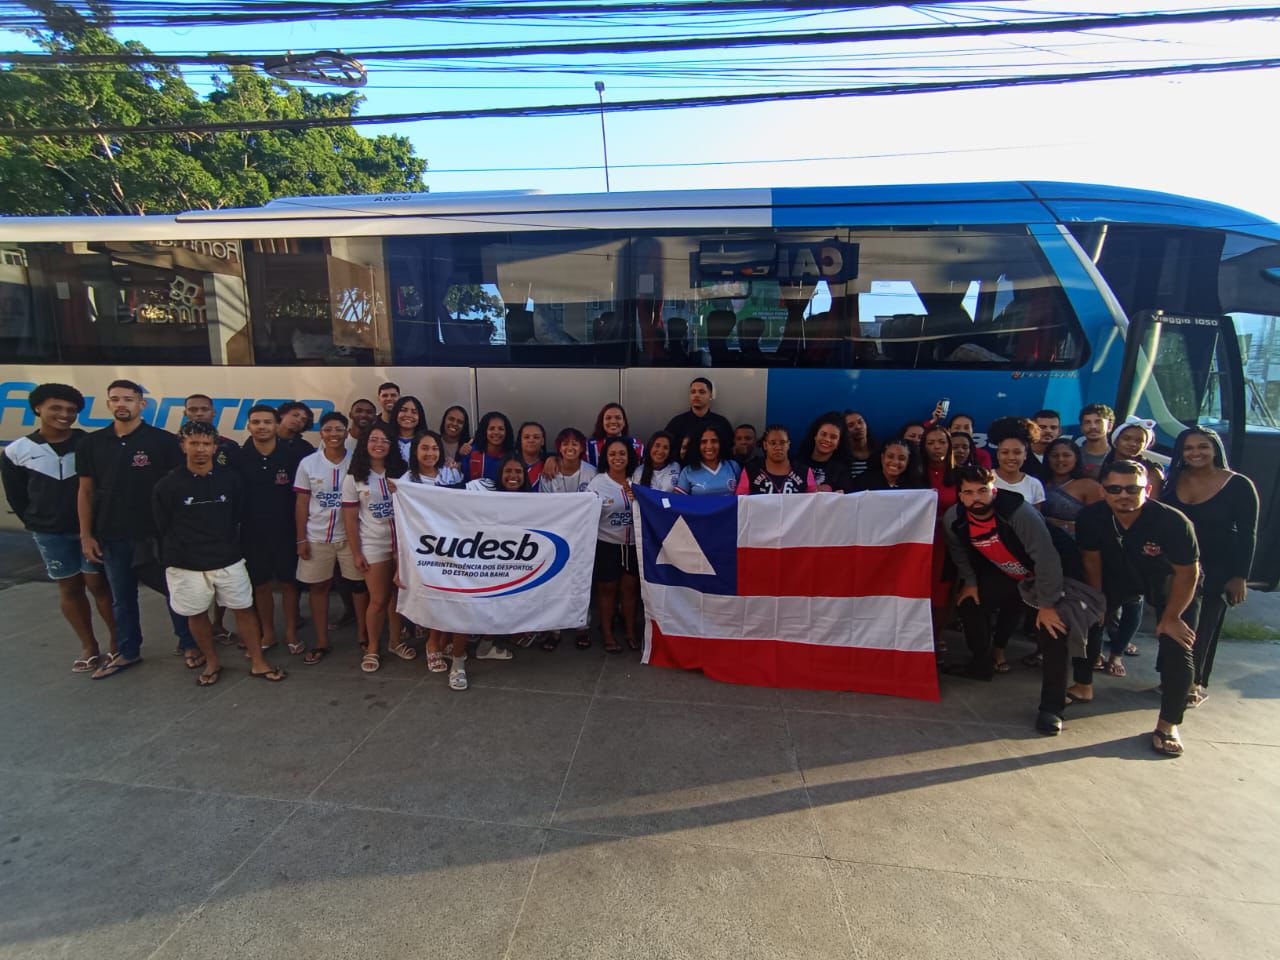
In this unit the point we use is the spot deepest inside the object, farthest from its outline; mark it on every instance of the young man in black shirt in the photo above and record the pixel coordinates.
(199, 407)
(697, 418)
(388, 394)
(266, 468)
(296, 419)
(40, 482)
(1134, 546)
(119, 467)
(198, 509)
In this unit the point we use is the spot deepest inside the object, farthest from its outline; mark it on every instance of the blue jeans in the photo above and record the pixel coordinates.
(1122, 625)
(123, 576)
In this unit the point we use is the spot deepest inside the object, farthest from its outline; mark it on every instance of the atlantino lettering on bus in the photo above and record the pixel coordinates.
(230, 414)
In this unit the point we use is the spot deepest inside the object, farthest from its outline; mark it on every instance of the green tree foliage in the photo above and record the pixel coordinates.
(167, 173)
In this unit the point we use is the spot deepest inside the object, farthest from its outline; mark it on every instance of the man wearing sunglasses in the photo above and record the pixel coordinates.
(1133, 546)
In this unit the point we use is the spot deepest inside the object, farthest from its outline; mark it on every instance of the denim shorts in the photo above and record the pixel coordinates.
(61, 555)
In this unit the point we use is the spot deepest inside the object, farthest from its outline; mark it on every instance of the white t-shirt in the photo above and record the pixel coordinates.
(1032, 490)
(446, 476)
(664, 478)
(376, 510)
(322, 478)
(573, 483)
(482, 485)
(615, 509)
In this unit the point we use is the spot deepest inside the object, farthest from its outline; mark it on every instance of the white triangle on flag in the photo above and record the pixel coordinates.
(680, 549)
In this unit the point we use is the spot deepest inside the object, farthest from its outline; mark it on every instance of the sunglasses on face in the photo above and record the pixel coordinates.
(1118, 488)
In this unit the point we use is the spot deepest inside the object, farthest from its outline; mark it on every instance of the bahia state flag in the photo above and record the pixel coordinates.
(823, 591)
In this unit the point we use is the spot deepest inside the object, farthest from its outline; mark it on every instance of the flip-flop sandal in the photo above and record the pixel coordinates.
(1074, 700)
(633, 643)
(224, 637)
(1033, 660)
(612, 647)
(208, 679)
(86, 665)
(370, 663)
(1132, 650)
(1169, 745)
(271, 676)
(1115, 670)
(404, 651)
(315, 656)
(114, 667)
(194, 661)
(552, 641)
(296, 649)
(583, 641)
(1001, 666)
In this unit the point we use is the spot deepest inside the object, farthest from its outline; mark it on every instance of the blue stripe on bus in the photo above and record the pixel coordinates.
(922, 214)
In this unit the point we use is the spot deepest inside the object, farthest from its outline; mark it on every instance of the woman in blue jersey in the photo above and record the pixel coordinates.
(611, 422)
(708, 472)
(408, 419)
(532, 448)
(494, 441)
(659, 469)
(368, 515)
(776, 473)
(616, 570)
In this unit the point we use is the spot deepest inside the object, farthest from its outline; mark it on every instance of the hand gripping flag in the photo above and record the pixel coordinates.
(823, 591)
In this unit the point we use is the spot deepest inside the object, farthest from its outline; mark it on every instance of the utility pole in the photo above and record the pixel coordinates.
(604, 141)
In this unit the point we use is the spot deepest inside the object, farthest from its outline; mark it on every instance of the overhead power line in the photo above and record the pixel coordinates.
(984, 29)
(629, 106)
(145, 13)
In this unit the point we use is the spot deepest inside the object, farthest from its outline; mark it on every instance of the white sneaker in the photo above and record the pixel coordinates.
(487, 649)
(458, 674)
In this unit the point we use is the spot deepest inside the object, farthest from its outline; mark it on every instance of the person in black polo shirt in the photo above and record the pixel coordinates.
(119, 466)
(199, 407)
(296, 419)
(266, 468)
(699, 417)
(40, 482)
(1133, 546)
(198, 509)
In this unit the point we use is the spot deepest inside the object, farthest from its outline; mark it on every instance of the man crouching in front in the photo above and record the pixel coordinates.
(197, 511)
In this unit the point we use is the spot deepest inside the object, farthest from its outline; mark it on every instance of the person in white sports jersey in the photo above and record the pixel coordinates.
(616, 572)
(368, 513)
(321, 537)
(659, 469)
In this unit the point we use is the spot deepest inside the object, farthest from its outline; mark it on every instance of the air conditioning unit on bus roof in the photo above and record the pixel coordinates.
(347, 201)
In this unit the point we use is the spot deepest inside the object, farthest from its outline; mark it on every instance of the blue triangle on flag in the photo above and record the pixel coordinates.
(689, 541)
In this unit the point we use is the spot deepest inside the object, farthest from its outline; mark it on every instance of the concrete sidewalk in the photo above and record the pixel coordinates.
(577, 805)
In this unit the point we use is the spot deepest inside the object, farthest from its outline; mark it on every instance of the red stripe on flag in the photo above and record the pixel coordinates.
(896, 570)
(804, 666)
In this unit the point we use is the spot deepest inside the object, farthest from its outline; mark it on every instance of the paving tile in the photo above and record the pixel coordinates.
(923, 914)
(90, 869)
(1223, 928)
(710, 774)
(623, 899)
(920, 794)
(264, 739)
(487, 754)
(566, 670)
(625, 676)
(1191, 825)
(339, 884)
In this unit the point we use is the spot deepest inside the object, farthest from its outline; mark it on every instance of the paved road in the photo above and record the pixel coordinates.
(576, 805)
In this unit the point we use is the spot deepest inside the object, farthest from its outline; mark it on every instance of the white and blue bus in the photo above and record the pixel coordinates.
(1003, 297)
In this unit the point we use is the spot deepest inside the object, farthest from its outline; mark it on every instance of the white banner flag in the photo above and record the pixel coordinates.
(495, 563)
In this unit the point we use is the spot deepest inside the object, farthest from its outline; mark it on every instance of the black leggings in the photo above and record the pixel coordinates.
(1213, 609)
(1177, 668)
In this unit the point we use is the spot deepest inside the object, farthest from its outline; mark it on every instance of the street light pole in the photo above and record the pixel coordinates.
(604, 141)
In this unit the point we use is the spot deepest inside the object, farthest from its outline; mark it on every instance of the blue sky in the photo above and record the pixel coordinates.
(1209, 136)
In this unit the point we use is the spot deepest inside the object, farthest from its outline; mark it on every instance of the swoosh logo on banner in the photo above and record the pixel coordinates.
(528, 581)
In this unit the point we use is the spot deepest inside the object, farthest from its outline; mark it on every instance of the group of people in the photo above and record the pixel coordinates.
(1067, 538)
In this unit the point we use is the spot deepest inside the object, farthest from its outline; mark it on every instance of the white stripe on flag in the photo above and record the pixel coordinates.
(879, 623)
(877, 518)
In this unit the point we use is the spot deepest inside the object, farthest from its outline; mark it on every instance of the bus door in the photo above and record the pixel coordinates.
(1182, 370)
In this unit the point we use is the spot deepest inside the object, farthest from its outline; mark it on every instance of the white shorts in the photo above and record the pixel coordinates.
(191, 591)
(319, 569)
